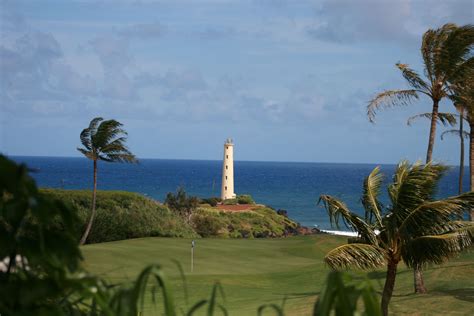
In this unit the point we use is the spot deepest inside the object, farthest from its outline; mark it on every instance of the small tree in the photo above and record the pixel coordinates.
(182, 204)
(415, 228)
(106, 142)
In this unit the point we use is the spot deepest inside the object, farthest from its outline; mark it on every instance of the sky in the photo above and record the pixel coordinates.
(288, 80)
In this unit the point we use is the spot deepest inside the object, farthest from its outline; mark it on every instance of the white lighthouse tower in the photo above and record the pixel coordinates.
(227, 191)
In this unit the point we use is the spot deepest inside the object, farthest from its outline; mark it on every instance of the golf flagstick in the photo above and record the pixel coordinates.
(192, 256)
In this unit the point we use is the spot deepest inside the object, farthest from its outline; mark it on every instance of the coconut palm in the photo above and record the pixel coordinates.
(446, 57)
(462, 134)
(449, 119)
(106, 142)
(415, 228)
(463, 97)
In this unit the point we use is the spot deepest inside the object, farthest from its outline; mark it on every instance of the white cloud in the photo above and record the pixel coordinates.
(401, 21)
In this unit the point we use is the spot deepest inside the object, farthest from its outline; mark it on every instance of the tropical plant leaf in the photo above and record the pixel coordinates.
(454, 132)
(360, 256)
(413, 78)
(390, 98)
(372, 206)
(456, 50)
(412, 186)
(447, 119)
(337, 211)
(431, 218)
(435, 248)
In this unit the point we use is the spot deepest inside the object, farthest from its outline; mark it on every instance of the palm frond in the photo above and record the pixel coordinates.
(427, 49)
(93, 125)
(454, 132)
(337, 211)
(431, 218)
(435, 248)
(121, 157)
(372, 206)
(413, 185)
(361, 256)
(89, 154)
(444, 118)
(456, 49)
(413, 78)
(463, 95)
(106, 132)
(388, 99)
(86, 138)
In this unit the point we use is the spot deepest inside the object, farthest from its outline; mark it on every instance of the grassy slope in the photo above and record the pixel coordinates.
(258, 271)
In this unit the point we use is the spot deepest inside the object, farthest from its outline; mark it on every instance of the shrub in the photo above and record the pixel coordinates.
(245, 199)
(207, 225)
(230, 202)
(212, 201)
(122, 215)
(182, 204)
(259, 223)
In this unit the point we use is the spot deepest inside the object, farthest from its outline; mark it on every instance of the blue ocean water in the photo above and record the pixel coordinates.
(292, 186)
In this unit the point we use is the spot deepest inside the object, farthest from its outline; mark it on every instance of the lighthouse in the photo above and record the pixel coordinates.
(227, 191)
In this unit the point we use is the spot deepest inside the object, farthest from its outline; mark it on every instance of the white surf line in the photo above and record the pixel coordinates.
(345, 233)
(340, 233)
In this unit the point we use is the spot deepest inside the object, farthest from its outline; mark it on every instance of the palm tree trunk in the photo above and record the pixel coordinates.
(389, 285)
(418, 280)
(461, 158)
(91, 219)
(434, 120)
(471, 163)
(417, 272)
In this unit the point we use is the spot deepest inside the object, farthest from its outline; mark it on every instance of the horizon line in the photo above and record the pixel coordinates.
(198, 159)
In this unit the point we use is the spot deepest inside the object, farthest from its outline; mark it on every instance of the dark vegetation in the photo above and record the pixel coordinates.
(240, 199)
(182, 204)
(122, 215)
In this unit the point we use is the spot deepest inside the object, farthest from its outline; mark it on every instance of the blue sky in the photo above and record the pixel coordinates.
(288, 80)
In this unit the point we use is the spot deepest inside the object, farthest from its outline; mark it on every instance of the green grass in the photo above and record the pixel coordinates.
(259, 271)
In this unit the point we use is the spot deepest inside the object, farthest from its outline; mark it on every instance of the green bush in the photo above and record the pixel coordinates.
(230, 202)
(258, 223)
(212, 201)
(245, 199)
(207, 225)
(122, 215)
(182, 204)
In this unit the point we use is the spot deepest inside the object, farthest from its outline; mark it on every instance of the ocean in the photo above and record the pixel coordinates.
(291, 186)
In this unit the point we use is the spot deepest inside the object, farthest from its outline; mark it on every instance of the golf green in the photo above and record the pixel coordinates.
(254, 272)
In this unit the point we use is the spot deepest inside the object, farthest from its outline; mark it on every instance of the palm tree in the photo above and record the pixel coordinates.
(445, 53)
(450, 119)
(461, 133)
(446, 57)
(463, 98)
(104, 141)
(415, 228)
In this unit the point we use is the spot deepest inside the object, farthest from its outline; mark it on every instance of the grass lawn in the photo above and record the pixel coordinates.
(259, 271)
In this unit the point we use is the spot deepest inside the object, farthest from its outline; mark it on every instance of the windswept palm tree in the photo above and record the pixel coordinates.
(450, 119)
(104, 141)
(463, 97)
(462, 134)
(446, 57)
(446, 54)
(415, 228)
